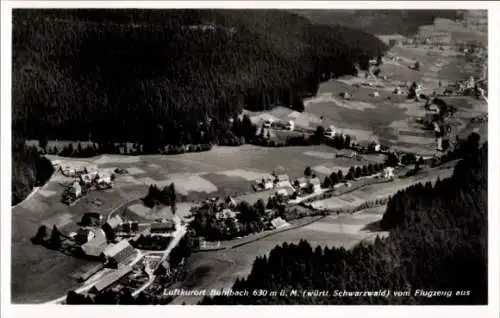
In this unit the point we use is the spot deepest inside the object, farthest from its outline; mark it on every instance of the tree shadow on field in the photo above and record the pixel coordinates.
(373, 227)
(197, 276)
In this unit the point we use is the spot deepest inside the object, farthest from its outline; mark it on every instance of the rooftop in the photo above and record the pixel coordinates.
(114, 249)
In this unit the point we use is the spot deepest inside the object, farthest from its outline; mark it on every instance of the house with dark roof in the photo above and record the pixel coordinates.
(111, 226)
(162, 227)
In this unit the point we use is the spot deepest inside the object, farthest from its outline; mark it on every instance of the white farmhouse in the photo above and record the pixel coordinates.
(389, 173)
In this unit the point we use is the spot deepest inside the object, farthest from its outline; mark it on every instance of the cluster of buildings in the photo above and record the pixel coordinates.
(84, 179)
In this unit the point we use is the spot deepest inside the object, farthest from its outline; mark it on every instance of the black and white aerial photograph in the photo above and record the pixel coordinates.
(248, 156)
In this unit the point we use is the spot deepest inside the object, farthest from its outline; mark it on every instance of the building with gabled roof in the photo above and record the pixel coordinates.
(314, 184)
(116, 253)
(282, 180)
(301, 183)
(110, 279)
(96, 245)
(111, 226)
(278, 223)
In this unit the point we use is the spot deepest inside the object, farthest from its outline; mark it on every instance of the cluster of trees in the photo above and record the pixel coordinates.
(151, 242)
(250, 219)
(42, 237)
(437, 241)
(353, 173)
(168, 77)
(95, 149)
(29, 169)
(166, 196)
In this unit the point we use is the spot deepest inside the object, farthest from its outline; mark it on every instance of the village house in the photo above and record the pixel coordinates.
(282, 180)
(268, 184)
(225, 214)
(95, 246)
(104, 179)
(83, 235)
(290, 125)
(75, 190)
(300, 183)
(330, 132)
(109, 280)
(279, 223)
(111, 227)
(162, 227)
(345, 95)
(231, 202)
(91, 169)
(314, 185)
(388, 173)
(86, 179)
(117, 253)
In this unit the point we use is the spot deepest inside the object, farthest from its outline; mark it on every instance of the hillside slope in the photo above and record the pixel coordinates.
(404, 22)
(134, 75)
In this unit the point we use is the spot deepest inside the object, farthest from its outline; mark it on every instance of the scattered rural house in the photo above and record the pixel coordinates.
(397, 91)
(230, 202)
(301, 183)
(83, 235)
(439, 144)
(110, 279)
(330, 132)
(68, 171)
(225, 214)
(314, 185)
(86, 179)
(75, 190)
(162, 227)
(95, 246)
(104, 180)
(268, 184)
(207, 245)
(91, 169)
(388, 173)
(290, 125)
(117, 253)
(279, 223)
(375, 94)
(111, 226)
(282, 193)
(56, 163)
(345, 95)
(268, 123)
(282, 180)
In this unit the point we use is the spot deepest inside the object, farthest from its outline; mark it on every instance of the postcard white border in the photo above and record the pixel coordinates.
(53, 311)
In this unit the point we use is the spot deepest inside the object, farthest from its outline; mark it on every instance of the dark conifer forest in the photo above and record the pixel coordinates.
(437, 241)
(29, 170)
(172, 76)
(165, 77)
